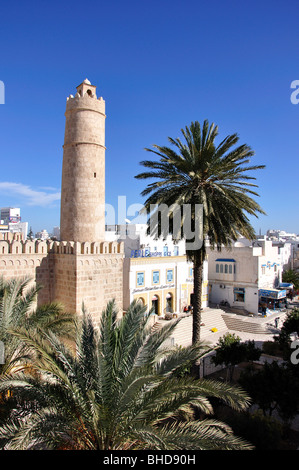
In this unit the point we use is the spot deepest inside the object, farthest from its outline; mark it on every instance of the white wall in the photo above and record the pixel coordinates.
(256, 267)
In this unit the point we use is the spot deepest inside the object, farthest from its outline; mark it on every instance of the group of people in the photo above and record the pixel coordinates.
(188, 309)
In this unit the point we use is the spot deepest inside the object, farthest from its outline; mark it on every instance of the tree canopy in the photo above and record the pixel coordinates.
(120, 388)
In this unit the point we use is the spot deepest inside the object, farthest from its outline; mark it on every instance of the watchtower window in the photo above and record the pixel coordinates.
(89, 92)
(94, 175)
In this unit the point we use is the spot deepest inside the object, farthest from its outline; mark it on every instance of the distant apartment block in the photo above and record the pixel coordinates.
(10, 221)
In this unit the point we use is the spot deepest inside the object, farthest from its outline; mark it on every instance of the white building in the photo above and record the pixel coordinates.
(247, 276)
(281, 235)
(10, 214)
(283, 238)
(11, 221)
(156, 271)
(285, 250)
(42, 235)
(19, 227)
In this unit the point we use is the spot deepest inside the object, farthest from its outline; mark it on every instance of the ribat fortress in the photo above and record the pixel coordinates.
(82, 267)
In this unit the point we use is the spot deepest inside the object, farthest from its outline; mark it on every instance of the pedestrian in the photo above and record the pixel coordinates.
(276, 322)
(291, 295)
(264, 310)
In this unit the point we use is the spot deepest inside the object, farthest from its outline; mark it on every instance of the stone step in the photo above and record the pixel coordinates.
(182, 335)
(237, 324)
(222, 321)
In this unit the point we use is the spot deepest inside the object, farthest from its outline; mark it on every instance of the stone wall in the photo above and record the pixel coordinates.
(70, 272)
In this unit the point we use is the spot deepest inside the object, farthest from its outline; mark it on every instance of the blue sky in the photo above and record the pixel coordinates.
(159, 66)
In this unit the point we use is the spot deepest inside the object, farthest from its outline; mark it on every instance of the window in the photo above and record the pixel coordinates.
(140, 278)
(165, 250)
(169, 275)
(225, 265)
(156, 277)
(176, 251)
(239, 294)
(190, 272)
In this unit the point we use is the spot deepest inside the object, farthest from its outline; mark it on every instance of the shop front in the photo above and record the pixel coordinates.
(289, 289)
(272, 300)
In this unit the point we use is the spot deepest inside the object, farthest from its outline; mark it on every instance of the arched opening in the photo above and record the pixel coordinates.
(169, 303)
(155, 304)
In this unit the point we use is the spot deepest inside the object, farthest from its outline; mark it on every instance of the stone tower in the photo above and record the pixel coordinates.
(82, 267)
(82, 215)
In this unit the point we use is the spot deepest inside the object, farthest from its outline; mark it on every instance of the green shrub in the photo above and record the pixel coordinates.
(263, 432)
(272, 348)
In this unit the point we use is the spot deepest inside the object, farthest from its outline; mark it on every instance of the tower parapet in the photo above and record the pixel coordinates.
(15, 247)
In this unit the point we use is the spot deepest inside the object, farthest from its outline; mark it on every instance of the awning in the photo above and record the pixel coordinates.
(273, 293)
(228, 260)
(286, 285)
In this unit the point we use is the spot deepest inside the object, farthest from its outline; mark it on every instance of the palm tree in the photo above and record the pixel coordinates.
(291, 277)
(18, 309)
(218, 178)
(123, 389)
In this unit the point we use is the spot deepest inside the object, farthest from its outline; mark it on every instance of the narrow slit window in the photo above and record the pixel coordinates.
(94, 175)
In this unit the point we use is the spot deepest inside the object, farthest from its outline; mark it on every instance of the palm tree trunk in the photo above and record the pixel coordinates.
(197, 293)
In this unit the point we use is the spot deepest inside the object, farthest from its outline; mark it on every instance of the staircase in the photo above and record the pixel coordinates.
(182, 335)
(243, 325)
(222, 321)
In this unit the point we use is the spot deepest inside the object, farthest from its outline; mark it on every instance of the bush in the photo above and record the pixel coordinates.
(272, 348)
(263, 432)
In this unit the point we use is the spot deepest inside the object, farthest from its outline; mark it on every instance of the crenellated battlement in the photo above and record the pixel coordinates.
(17, 247)
(91, 103)
(85, 98)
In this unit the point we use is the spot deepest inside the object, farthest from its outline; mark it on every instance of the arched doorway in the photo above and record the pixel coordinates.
(155, 304)
(169, 303)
